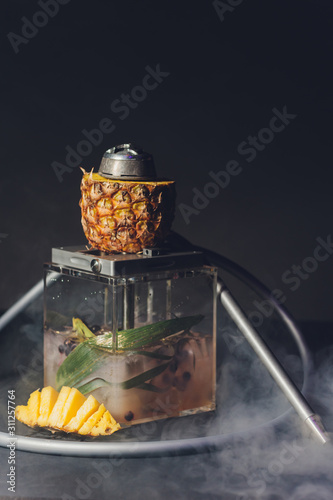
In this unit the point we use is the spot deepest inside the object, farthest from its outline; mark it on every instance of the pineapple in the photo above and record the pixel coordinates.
(29, 414)
(87, 409)
(125, 216)
(92, 420)
(67, 411)
(107, 425)
(57, 409)
(74, 401)
(48, 398)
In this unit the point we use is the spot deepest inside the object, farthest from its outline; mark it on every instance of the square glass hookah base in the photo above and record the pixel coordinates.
(247, 400)
(169, 377)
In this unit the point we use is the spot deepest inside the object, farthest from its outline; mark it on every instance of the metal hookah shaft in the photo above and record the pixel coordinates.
(273, 366)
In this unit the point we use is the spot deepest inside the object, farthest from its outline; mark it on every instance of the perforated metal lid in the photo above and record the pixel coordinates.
(127, 162)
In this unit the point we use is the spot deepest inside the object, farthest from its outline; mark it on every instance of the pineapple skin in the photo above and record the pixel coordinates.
(125, 216)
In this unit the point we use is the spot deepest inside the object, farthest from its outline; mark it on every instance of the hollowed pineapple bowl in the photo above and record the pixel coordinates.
(125, 216)
(124, 206)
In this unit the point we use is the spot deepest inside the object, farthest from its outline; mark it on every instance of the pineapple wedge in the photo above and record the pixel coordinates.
(87, 409)
(29, 414)
(107, 425)
(92, 421)
(48, 398)
(57, 409)
(67, 411)
(74, 401)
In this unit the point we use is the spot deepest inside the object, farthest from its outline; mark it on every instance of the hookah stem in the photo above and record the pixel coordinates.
(273, 366)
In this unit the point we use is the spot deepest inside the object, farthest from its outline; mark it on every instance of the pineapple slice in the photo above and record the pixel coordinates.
(73, 402)
(87, 409)
(67, 411)
(55, 414)
(30, 413)
(48, 398)
(107, 425)
(92, 421)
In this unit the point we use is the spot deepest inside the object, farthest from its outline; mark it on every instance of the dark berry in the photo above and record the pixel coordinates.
(129, 416)
(95, 328)
(61, 348)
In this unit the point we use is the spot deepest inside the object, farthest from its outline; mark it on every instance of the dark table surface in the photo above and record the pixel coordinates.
(271, 463)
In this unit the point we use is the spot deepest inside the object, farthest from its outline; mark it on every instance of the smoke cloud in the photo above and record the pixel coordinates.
(264, 451)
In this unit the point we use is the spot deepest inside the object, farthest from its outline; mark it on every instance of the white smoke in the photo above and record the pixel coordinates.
(265, 452)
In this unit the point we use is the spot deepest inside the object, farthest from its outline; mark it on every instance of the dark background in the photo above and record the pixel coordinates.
(225, 79)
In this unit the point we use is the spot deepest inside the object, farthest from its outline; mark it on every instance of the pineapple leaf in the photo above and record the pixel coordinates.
(143, 377)
(79, 364)
(82, 331)
(152, 354)
(145, 335)
(138, 381)
(152, 388)
(92, 385)
(95, 352)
